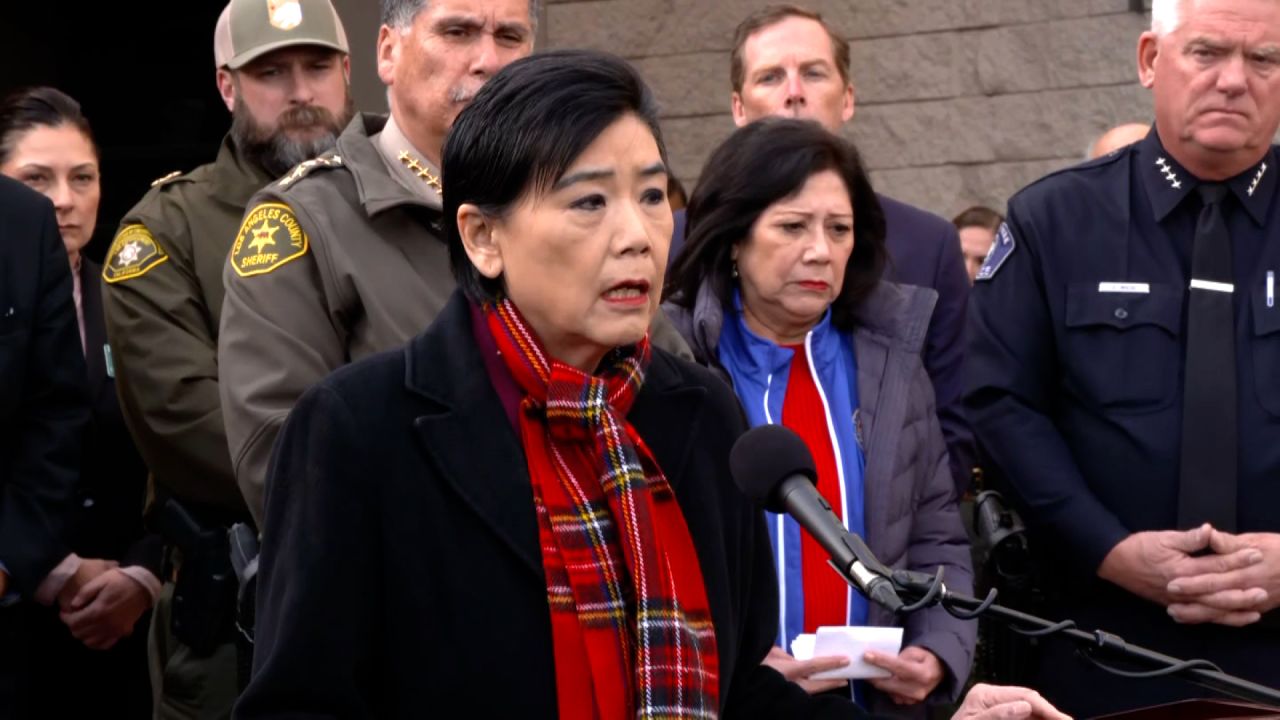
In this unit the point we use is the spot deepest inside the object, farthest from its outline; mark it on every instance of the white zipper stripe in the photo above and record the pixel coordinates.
(835, 446)
(782, 542)
(782, 582)
(768, 385)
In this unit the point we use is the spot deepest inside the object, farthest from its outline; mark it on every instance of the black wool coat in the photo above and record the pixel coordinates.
(401, 574)
(43, 404)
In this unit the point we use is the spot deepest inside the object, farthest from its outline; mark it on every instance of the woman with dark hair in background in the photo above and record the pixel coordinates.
(778, 289)
(95, 657)
(528, 512)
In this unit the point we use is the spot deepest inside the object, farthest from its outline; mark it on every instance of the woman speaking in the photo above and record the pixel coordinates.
(527, 512)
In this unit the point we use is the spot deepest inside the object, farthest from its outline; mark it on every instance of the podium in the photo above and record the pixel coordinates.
(1197, 710)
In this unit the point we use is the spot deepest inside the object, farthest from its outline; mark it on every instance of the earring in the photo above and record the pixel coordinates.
(734, 272)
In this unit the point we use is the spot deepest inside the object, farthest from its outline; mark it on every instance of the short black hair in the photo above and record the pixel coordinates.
(35, 107)
(523, 130)
(760, 164)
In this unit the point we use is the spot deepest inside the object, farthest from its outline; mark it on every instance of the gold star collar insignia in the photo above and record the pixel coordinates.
(430, 178)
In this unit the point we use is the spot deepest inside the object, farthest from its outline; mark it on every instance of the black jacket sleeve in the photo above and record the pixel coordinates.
(321, 541)
(43, 395)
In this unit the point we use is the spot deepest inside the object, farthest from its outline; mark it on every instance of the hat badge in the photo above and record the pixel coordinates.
(284, 14)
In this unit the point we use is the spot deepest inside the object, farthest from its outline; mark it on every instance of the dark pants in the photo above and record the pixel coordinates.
(16, 698)
(47, 673)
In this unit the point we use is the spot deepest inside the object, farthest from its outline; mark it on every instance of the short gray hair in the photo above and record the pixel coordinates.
(401, 13)
(1165, 16)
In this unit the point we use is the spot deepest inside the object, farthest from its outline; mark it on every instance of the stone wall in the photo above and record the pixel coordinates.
(959, 102)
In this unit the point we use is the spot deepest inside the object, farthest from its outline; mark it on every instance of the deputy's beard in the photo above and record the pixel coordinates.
(301, 133)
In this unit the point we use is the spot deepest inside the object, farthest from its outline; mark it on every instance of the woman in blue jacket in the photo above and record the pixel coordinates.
(779, 289)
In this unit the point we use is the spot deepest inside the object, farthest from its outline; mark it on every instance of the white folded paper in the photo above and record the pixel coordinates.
(851, 642)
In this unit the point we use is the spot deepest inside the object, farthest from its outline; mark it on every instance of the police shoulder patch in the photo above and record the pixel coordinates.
(1000, 251)
(270, 237)
(132, 254)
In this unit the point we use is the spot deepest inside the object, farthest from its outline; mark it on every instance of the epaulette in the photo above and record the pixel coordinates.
(302, 169)
(1110, 158)
(1085, 168)
(167, 178)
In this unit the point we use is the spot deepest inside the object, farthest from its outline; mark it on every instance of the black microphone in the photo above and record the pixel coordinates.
(773, 467)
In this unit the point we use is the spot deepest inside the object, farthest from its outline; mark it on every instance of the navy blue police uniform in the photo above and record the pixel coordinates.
(1075, 390)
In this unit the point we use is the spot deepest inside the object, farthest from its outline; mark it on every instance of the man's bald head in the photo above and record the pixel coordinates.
(1118, 137)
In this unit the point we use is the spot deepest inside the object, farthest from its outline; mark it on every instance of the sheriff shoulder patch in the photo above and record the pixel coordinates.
(132, 254)
(269, 238)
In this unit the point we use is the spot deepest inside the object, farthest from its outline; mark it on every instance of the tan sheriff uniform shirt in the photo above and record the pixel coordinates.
(336, 261)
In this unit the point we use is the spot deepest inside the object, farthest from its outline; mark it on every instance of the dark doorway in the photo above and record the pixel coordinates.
(143, 73)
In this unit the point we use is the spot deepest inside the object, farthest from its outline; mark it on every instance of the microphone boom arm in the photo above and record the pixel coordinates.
(924, 591)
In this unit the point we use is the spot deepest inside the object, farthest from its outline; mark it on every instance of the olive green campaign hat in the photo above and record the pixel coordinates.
(248, 29)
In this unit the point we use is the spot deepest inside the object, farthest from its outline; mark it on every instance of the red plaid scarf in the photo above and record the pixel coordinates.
(630, 623)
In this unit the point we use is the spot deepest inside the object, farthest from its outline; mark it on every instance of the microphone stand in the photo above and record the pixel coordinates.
(923, 591)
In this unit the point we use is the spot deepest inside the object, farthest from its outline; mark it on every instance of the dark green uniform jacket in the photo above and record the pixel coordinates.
(163, 300)
(337, 260)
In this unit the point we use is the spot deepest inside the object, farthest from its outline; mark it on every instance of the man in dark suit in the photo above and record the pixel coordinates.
(786, 61)
(42, 416)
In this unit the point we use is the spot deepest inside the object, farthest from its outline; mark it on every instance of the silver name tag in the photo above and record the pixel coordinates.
(1119, 287)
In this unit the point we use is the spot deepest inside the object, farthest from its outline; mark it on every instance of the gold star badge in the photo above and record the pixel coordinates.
(263, 236)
